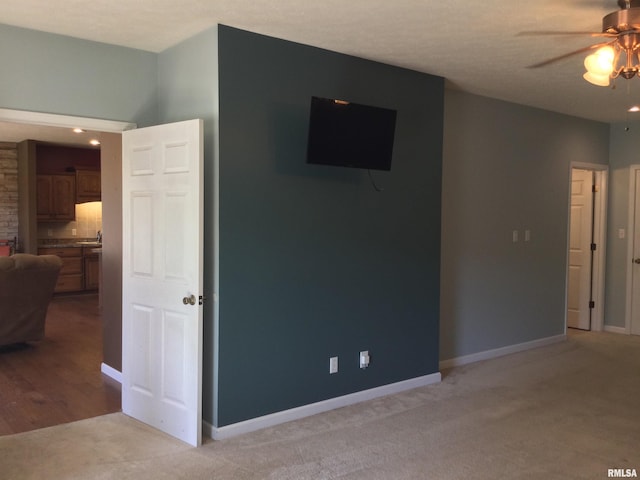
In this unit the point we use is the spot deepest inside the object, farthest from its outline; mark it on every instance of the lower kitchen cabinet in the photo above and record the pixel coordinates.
(80, 268)
(91, 270)
(71, 277)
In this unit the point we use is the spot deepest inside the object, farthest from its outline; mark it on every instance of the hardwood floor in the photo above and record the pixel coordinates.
(57, 380)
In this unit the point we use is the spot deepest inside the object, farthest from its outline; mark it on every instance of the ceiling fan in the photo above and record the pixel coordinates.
(618, 55)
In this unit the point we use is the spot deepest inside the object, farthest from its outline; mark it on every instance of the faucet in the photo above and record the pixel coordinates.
(99, 236)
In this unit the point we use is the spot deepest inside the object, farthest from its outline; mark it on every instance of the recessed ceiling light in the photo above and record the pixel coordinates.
(635, 108)
(94, 142)
(78, 130)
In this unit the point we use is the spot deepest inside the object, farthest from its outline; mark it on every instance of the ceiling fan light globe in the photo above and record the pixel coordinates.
(598, 65)
(595, 79)
(606, 53)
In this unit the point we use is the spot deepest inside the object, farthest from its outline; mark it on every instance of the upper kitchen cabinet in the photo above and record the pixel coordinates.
(47, 176)
(62, 158)
(65, 176)
(55, 197)
(88, 186)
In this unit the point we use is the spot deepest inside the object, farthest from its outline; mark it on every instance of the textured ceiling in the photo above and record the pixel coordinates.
(17, 132)
(474, 45)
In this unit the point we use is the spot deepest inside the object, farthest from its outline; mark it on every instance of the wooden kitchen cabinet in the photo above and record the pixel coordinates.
(91, 270)
(80, 268)
(56, 197)
(71, 277)
(88, 188)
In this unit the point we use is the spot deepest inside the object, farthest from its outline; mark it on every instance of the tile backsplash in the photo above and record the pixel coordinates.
(88, 222)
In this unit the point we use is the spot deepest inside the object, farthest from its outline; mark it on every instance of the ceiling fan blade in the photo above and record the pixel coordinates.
(602, 4)
(556, 32)
(567, 55)
(626, 4)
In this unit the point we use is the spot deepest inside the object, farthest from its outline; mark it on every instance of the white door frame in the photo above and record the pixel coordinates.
(600, 236)
(633, 169)
(64, 121)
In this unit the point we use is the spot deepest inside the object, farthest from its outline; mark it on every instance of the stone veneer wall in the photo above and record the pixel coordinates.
(8, 190)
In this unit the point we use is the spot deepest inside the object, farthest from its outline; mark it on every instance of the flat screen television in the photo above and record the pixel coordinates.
(348, 134)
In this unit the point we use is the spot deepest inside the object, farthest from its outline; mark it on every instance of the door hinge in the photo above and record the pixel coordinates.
(593, 247)
(594, 188)
(592, 304)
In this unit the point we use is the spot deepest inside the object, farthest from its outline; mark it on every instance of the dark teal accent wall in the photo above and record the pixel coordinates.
(314, 262)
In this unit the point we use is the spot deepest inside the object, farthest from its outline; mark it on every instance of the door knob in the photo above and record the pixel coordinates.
(189, 300)
(636, 260)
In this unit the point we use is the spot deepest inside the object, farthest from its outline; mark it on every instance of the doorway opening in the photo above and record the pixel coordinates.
(586, 247)
(111, 273)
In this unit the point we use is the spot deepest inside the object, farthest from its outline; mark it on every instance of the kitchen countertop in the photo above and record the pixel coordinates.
(69, 244)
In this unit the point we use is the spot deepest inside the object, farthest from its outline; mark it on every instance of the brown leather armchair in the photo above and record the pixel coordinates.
(26, 288)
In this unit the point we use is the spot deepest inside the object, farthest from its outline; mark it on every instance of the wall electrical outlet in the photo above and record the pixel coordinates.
(333, 365)
(364, 359)
(74, 232)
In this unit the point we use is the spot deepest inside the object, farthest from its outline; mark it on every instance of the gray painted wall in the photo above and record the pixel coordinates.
(625, 145)
(506, 167)
(57, 74)
(188, 88)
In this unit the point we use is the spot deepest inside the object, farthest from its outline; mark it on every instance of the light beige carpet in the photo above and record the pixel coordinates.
(566, 411)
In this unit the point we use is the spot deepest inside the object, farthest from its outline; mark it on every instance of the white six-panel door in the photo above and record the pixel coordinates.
(162, 277)
(580, 238)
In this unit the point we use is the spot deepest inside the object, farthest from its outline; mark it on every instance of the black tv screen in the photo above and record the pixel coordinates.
(350, 135)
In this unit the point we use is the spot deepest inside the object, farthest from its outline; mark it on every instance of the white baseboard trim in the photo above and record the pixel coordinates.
(111, 372)
(499, 352)
(614, 329)
(228, 431)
